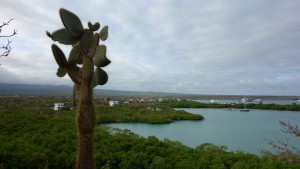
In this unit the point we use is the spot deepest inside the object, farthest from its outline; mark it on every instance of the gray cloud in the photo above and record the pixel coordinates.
(205, 47)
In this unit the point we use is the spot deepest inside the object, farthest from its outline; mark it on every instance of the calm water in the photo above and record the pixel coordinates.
(281, 102)
(237, 130)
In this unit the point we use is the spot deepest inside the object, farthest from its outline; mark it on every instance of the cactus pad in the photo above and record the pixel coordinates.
(75, 74)
(79, 61)
(104, 33)
(93, 44)
(101, 76)
(86, 39)
(94, 27)
(90, 25)
(74, 54)
(71, 22)
(63, 36)
(100, 59)
(59, 56)
(49, 34)
(61, 72)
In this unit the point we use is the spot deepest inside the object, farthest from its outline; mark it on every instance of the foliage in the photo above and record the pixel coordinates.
(194, 104)
(29, 103)
(142, 114)
(36, 139)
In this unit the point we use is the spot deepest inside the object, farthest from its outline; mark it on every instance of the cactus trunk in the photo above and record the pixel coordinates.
(86, 118)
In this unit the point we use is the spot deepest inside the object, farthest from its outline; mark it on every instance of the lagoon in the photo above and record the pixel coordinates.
(246, 131)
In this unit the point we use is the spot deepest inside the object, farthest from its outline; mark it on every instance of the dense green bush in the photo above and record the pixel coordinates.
(143, 114)
(32, 139)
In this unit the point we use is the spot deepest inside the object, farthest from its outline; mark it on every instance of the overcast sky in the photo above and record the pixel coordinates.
(187, 46)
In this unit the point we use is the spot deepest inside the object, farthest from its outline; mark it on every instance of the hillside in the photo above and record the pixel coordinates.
(64, 90)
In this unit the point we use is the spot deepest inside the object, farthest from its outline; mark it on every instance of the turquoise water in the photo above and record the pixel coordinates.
(246, 131)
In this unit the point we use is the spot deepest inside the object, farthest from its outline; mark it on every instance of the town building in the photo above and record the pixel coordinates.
(113, 103)
(58, 106)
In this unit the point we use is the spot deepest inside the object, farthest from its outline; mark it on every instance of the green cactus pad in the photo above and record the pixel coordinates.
(93, 44)
(86, 39)
(74, 73)
(94, 27)
(90, 25)
(101, 76)
(59, 56)
(71, 22)
(74, 54)
(104, 33)
(49, 34)
(63, 36)
(61, 72)
(100, 59)
(79, 61)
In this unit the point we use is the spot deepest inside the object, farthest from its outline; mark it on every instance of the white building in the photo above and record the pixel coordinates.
(58, 106)
(113, 103)
(160, 100)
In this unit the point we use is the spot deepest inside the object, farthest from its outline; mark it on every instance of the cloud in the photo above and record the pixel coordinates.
(205, 47)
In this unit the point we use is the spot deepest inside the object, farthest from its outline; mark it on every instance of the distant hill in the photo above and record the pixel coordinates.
(64, 90)
(34, 90)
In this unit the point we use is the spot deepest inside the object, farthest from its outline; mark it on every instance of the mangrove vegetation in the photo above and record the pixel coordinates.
(34, 136)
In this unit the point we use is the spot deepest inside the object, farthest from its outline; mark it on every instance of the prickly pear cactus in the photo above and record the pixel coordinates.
(84, 66)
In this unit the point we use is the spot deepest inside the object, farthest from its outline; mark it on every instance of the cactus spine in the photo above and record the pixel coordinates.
(86, 51)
